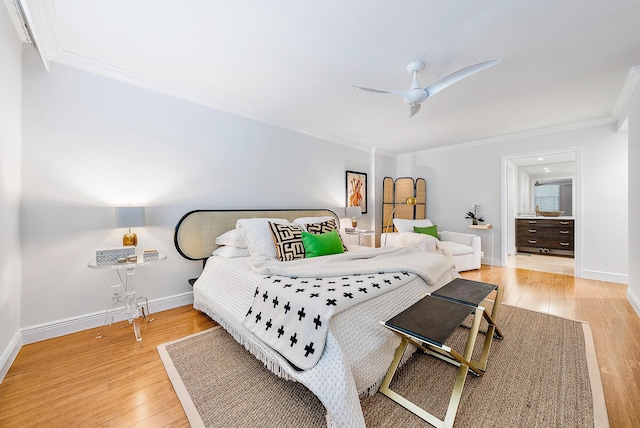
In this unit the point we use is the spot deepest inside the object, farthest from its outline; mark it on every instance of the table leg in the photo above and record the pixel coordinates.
(131, 308)
(136, 329)
(106, 317)
(145, 314)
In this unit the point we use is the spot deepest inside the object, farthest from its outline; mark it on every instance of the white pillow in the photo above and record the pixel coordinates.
(232, 238)
(230, 252)
(303, 221)
(405, 225)
(257, 234)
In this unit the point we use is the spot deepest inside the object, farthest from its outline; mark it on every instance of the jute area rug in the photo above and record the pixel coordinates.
(542, 374)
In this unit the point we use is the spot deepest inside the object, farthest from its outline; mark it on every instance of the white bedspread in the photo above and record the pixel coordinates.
(357, 352)
(372, 260)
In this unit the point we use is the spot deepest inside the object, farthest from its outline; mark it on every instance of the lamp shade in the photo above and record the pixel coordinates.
(129, 216)
(354, 212)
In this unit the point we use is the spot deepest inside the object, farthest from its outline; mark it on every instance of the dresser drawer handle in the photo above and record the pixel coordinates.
(564, 244)
(532, 230)
(532, 222)
(532, 241)
(564, 222)
(565, 232)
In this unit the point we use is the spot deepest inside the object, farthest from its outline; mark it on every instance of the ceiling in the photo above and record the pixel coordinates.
(292, 63)
(547, 165)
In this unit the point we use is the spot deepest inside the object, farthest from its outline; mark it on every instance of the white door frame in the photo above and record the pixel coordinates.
(577, 202)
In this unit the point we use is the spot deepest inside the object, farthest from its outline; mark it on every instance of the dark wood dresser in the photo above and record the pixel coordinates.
(546, 236)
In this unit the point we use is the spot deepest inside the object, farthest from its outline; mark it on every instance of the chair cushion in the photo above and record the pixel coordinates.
(454, 249)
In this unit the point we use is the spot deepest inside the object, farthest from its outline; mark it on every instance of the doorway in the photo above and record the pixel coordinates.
(547, 180)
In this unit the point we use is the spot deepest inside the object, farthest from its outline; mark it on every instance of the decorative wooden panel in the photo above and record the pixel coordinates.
(395, 193)
(387, 201)
(421, 197)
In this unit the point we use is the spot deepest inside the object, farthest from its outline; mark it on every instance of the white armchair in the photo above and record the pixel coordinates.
(464, 249)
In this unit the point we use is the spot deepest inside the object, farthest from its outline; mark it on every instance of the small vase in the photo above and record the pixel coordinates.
(474, 222)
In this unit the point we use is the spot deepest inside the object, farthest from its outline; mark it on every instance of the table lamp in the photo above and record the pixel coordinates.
(409, 201)
(129, 217)
(354, 213)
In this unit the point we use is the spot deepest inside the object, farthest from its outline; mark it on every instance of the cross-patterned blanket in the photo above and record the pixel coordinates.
(354, 340)
(292, 314)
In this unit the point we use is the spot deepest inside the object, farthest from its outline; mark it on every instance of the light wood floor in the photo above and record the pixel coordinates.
(80, 381)
(544, 263)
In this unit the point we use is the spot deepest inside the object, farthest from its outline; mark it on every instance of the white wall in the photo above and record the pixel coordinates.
(458, 178)
(633, 292)
(10, 87)
(524, 192)
(90, 143)
(384, 166)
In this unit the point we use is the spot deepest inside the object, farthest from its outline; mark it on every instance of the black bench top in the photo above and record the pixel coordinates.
(433, 318)
(465, 291)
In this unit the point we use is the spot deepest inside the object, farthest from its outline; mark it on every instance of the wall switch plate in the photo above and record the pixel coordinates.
(115, 290)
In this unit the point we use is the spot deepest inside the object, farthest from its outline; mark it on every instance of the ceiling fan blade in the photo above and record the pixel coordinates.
(381, 91)
(413, 109)
(454, 77)
(377, 91)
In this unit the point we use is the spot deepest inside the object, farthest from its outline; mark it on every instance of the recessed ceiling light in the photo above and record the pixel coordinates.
(540, 159)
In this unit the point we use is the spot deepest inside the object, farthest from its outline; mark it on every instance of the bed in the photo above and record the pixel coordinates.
(356, 351)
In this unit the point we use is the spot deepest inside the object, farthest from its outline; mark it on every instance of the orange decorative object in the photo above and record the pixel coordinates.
(129, 239)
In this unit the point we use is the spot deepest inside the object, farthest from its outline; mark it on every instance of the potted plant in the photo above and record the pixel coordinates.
(475, 219)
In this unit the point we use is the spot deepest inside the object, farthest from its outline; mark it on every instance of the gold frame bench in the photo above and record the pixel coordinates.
(429, 322)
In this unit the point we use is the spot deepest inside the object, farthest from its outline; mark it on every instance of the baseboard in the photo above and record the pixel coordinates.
(633, 300)
(490, 261)
(9, 354)
(618, 278)
(58, 328)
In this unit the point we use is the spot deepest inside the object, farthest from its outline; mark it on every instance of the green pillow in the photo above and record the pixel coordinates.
(322, 244)
(430, 230)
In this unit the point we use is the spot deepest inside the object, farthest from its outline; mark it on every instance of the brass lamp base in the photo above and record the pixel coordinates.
(129, 239)
(354, 222)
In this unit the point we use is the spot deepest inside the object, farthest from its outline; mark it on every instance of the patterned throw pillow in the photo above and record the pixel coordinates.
(288, 240)
(324, 227)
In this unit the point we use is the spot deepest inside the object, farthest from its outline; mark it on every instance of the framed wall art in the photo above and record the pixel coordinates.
(357, 190)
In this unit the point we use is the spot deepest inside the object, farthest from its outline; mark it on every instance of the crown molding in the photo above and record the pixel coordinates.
(96, 67)
(519, 135)
(40, 19)
(619, 111)
(99, 68)
(16, 14)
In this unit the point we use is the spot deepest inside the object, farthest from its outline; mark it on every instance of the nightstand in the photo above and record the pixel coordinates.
(359, 233)
(133, 305)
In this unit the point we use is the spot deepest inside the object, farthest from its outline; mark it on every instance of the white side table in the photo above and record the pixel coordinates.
(360, 234)
(132, 306)
(484, 227)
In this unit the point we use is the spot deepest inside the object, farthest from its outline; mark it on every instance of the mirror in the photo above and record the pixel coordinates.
(554, 195)
(544, 181)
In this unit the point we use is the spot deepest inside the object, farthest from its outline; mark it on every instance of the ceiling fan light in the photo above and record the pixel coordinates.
(415, 96)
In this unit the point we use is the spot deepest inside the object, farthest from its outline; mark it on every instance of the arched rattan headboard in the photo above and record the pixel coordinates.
(197, 230)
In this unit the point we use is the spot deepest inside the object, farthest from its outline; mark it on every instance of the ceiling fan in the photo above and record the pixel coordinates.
(416, 94)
